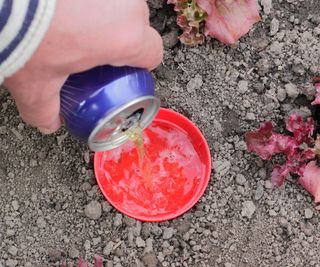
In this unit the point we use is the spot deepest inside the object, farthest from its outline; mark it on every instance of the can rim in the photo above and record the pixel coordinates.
(146, 119)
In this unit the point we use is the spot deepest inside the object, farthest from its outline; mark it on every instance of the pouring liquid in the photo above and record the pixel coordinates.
(136, 136)
(156, 173)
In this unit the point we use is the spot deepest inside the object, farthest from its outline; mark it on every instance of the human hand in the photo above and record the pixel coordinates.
(83, 34)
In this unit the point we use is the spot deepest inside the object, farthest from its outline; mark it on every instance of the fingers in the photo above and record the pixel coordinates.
(38, 102)
(142, 48)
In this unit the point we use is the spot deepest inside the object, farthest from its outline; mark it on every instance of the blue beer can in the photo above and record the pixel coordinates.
(101, 104)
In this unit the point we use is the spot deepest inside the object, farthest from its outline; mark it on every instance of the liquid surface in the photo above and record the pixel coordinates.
(165, 181)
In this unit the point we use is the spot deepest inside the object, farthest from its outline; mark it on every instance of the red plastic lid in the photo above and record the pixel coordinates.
(172, 177)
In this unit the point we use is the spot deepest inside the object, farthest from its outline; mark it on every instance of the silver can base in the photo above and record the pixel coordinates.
(110, 130)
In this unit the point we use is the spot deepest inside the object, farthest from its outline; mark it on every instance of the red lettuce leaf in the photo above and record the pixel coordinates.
(301, 130)
(189, 18)
(229, 20)
(266, 143)
(317, 85)
(310, 180)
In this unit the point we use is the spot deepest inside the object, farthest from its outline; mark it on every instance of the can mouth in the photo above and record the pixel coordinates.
(110, 131)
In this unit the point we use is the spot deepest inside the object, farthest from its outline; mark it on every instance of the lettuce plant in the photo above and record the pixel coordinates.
(225, 20)
(300, 149)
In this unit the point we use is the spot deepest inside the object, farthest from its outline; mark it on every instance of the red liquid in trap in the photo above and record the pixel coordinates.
(167, 178)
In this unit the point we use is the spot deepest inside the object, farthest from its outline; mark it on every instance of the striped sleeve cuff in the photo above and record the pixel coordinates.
(23, 24)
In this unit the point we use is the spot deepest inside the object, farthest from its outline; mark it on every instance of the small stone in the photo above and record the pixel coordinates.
(248, 209)
(74, 253)
(194, 83)
(221, 167)
(41, 223)
(86, 157)
(274, 26)
(242, 86)
(149, 246)
(168, 233)
(86, 187)
(267, 5)
(240, 179)
(281, 94)
(250, 116)
(108, 248)
(96, 240)
(15, 205)
(93, 210)
(259, 192)
(291, 90)
(140, 242)
(54, 255)
(87, 245)
(3, 129)
(117, 221)
(150, 260)
(11, 263)
(20, 126)
(13, 251)
(17, 134)
(10, 232)
(272, 213)
(308, 213)
(170, 39)
(268, 185)
(33, 163)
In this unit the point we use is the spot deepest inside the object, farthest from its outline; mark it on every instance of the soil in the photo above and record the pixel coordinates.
(51, 208)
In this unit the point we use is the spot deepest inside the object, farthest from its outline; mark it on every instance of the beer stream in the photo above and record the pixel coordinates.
(135, 134)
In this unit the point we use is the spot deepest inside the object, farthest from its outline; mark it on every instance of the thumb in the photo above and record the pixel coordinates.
(38, 102)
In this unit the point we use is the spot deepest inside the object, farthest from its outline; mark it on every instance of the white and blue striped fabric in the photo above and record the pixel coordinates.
(23, 24)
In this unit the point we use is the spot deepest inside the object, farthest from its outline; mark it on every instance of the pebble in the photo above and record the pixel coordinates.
(170, 39)
(108, 248)
(281, 94)
(93, 210)
(272, 213)
(150, 260)
(291, 90)
(74, 253)
(248, 209)
(15, 205)
(117, 221)
(11, 263)
(54, 255)
(250, 116)
(267, 5)
(149, 245)
(41, 223)
(140, 242)
(274, 26)
(195, 83)
(242, 86)
(308, 213)
(87, 245)
(221, 167)
(268, 184)
(259, 192)
(168, 233)
(13, 251)
(106, 207)
(17, 134)
(240, 179)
